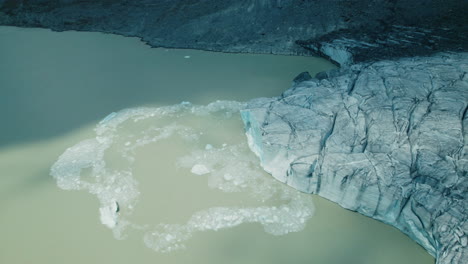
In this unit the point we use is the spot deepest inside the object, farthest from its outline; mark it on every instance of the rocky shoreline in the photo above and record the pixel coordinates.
(384, 135)
(368, 29)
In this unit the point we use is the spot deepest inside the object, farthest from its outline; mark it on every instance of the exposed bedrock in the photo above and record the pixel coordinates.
(349, 46)
(385, 139)
(344, 30)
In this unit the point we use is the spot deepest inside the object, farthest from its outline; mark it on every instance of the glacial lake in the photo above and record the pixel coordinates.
(156, 170)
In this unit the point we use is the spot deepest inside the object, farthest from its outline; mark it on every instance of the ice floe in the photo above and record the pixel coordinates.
(227, 167)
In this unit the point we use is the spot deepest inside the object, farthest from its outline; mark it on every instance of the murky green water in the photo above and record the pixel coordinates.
(56, 87)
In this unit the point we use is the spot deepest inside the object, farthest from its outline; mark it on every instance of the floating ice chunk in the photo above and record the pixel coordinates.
(108, 117)
(199, 169)
(187, 57)
(208, 146)
(109, 215)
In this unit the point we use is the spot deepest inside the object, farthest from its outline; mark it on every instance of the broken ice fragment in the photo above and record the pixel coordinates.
(109, 215)
(108, 117)
(208, 147)
(199, 169)
(227, 177)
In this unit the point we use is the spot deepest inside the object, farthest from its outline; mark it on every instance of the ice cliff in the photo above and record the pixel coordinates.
(385, 139)
(261, 26)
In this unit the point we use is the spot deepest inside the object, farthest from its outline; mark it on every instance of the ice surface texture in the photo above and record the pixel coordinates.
(229, 168)
(386, 139)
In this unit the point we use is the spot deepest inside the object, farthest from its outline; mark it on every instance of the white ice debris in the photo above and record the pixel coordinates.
(208, 146)
(109, 215)
(275, 220)
(227, 177)
(231, 168)
(199, 169)
(187, 57)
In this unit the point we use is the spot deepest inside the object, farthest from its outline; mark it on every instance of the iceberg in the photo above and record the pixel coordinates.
(199, 169)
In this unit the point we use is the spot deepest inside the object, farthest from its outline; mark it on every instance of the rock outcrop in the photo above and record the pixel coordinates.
(386, 139)
(261, 26)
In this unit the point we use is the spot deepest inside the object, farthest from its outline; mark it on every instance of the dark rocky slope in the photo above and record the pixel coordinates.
(261, 26)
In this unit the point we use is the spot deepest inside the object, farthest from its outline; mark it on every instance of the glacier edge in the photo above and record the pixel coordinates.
(385, 139)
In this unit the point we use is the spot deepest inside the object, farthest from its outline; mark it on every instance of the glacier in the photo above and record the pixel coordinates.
(385, 139)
